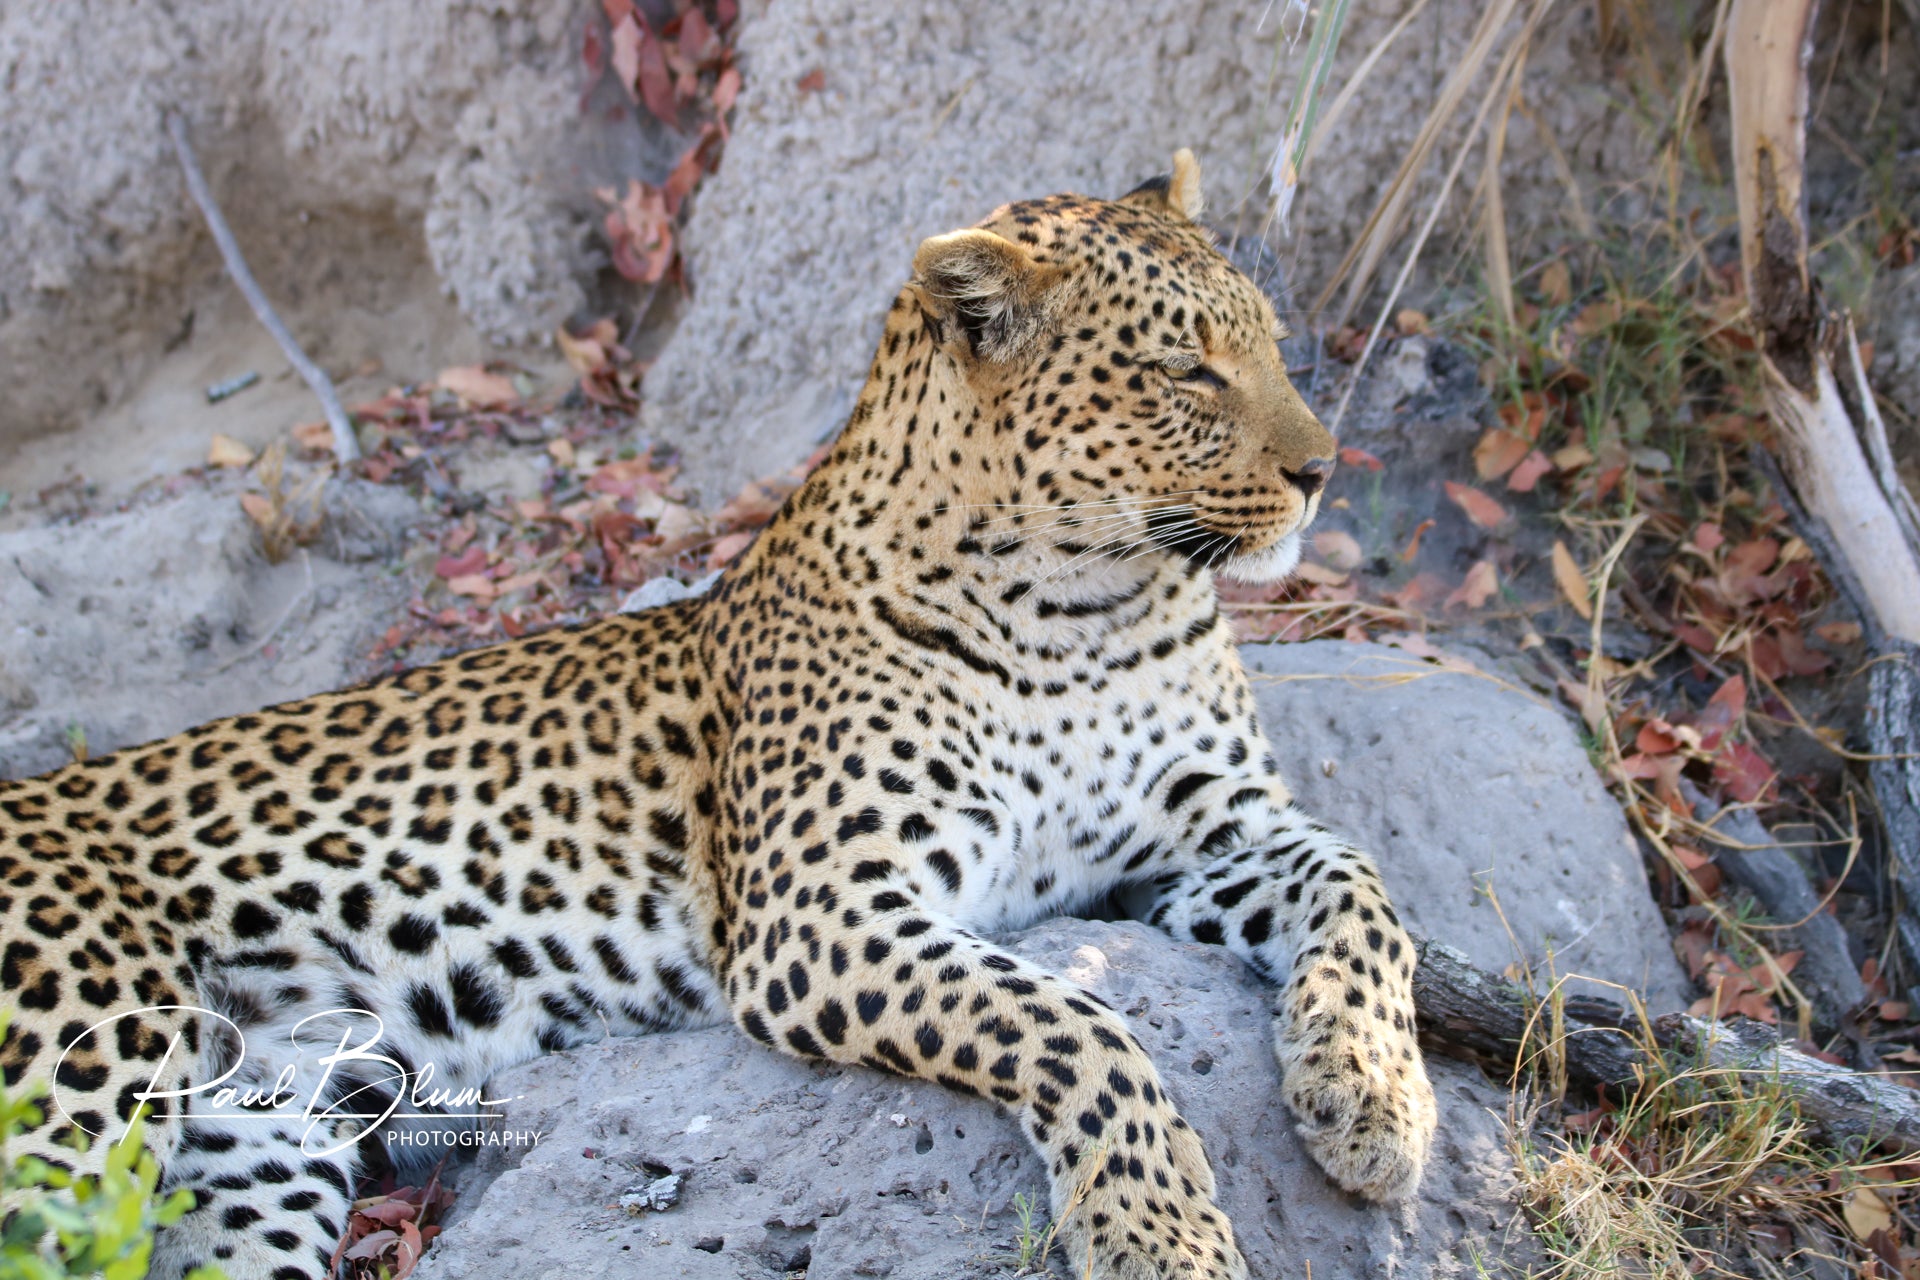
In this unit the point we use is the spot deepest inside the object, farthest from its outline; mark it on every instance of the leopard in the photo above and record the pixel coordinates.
(975, 672)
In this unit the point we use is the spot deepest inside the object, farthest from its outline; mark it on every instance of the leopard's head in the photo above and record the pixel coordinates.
(1136, 374)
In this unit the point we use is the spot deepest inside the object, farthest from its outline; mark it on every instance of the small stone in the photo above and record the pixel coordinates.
(658, 1196)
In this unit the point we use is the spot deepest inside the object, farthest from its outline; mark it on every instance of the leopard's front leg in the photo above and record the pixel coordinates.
(1308, 911)
(860, 969)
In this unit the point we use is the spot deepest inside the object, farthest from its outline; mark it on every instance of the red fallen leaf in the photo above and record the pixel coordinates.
(1483, 511)
(1838, 632)
(473, 560)
(1696, 637)
(812, 82)
(1525, 424)
(1657, 738)
(1694, 945)
(1871, 978)
(725, 90)
(724, 13)
(696, 39)
(1727, 705)
(1800, 659)
(390, 1212)
(1744, 772)
(1707, 537)
(1705, 873)
(1583, 1121)
(654, 79)
(691, 167)
(1764, 651)
(1524, 477)
(640, 232)
(477, 585)
(728, 548)
(1606, 481)
(1413, 543)
(457, 539)
(1893, 1010)
(1352, 457)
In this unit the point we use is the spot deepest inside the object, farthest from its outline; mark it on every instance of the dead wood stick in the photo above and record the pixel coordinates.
(1467, 1013)
(346, 447)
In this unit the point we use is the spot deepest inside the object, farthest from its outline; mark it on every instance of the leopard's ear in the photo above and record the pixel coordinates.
(1177, 193)
(986, 287)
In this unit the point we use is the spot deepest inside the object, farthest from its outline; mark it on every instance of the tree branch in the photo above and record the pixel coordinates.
(346, 447)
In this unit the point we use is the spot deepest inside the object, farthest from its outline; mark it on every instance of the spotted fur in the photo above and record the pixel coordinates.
(973, 674)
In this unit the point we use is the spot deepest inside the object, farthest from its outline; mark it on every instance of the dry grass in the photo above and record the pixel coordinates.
(1694, 1172)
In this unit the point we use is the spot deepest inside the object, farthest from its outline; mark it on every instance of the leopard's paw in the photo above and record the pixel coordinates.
(1359, 1092)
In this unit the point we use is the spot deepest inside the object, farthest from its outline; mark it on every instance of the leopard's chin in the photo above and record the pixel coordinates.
(1269, 565)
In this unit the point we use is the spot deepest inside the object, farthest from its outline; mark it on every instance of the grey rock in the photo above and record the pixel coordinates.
(933, 114)
(1460, 784)
(142, 623)
(878, 1176)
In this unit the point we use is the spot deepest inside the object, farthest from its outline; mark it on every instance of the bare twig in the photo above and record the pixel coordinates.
(346, 447)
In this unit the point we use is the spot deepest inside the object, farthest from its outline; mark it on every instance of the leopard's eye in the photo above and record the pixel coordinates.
(1198, 373)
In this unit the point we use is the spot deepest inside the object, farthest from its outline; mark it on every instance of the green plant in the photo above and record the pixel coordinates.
(1031, 1238)
(59, 1224)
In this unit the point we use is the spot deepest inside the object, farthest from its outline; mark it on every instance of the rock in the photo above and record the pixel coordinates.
(349, 147)
(1453, 781)
(854, 1173)
(931, 114)
(1461, 783)
(131, 626)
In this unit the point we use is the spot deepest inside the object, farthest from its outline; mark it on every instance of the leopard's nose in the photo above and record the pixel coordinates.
(1311, 475)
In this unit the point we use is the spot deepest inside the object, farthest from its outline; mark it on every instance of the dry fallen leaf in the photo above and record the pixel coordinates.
(1572, 457)
(1410, 321)
(1572, 583)
(1480, 584)
(225, 451)
(1308, 571)
(1866, 1213)
(1556, 283)
(1498, 452)
(477, 388)
(1338, 549)
(313, 437)
(258, 509)
(1481, 510)
(561, 451)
